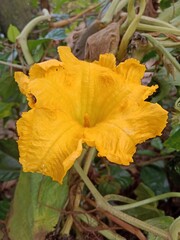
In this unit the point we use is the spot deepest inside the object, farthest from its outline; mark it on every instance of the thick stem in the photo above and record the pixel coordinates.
(103, 204)
(22, 38)
(159, 29)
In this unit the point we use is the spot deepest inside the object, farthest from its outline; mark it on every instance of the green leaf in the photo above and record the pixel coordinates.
(113, 179)
(109, 187)
(36, 207)
(37, 48)
(12, 33)
(122, 176)
(4, 208)
(143, 192)
(175, 229)
(9, 90)
(9, 167)
(157, 143)
(9, 146)
(5, 109)
(155, 178)
(161, 222)
(146, 152)
(165, 4)
(145, 212)
(56, 34)
(173, 141)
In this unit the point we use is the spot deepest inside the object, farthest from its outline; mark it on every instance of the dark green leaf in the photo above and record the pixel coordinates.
(37, 48)
(165, 4)
(121, 176)
(146, 152)
(173, 141)
(36, 207)
(155, 178)
(5, 109)
(4, 208)
(9, 167)
(109, 187)
(56, 34)
(173, 169)
(145, 212)
(157, 143)
(12, 33)
(9, 91)
(9, 146)
(143, 192)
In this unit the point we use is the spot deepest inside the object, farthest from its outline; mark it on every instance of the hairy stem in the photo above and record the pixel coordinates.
(113, 197)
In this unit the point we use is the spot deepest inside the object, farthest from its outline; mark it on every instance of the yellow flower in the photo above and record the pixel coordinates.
(74, 102)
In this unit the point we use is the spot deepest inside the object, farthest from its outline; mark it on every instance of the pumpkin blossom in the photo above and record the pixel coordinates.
(74, 102)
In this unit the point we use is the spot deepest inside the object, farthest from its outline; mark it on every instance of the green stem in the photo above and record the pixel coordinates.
(115, 6)
(93, 223)
(91, 153)
(103, 204)
(22, 38)
(149, 28)
(159, 46)
(131, 29)
(142, 202)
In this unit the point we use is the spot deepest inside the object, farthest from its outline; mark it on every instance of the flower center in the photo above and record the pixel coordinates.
(86, 120)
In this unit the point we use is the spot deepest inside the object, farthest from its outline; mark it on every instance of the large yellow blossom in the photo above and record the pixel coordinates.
(74, 102)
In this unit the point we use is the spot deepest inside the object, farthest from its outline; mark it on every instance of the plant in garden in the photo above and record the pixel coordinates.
(83, 112)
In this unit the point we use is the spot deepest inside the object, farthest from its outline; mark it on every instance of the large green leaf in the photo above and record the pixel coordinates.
(36, 207)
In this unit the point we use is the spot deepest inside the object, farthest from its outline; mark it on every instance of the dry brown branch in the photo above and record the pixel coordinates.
(63, 23)
(119, 222)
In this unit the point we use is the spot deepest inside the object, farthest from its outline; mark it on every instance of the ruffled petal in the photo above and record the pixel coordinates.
(107, 60)
(131, 71)
(66, 55)
(38, 70)
(117, 137)
(49, 142)
(23, 82)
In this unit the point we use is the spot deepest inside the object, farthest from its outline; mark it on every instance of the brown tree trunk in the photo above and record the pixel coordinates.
(16, 12)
